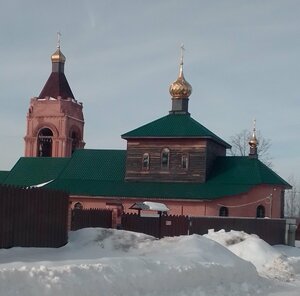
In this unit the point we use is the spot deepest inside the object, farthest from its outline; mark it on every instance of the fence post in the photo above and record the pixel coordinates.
(290, 232)
(159, 224)
(190, 223)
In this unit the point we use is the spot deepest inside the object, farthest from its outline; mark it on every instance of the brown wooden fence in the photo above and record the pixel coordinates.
(91, 218)
(33, 217)
(270, 230)
(174, 225)
(297, 234)
(156, 226)
(147, 225)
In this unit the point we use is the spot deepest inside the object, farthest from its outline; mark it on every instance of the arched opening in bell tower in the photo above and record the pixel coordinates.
(75, 140)
(44, 143)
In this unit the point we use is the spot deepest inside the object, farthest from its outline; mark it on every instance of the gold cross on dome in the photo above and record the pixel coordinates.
(58, 39)
(182, 49)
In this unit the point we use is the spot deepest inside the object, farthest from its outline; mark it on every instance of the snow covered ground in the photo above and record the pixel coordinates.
(119, 263)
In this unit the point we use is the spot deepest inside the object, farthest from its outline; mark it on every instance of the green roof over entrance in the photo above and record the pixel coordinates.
(174, 126)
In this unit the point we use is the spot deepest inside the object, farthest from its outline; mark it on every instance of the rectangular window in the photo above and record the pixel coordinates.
(146, 161)
(185, 161)
(165, 158)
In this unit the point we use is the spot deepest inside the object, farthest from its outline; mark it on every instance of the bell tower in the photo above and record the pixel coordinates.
(55, 120)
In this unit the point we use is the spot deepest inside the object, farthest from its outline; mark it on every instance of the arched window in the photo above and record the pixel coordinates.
(223, 212)
(185, 161)
(75, 141)
(260, 212)
(165, 158)
(45, 143)
(78, 206)
(146, 161)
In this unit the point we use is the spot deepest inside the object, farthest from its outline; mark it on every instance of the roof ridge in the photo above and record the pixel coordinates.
(151, 122)
(260, 164)
(174, 126)
(197, 122)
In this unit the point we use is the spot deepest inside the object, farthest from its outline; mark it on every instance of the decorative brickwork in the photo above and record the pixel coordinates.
(55, 119)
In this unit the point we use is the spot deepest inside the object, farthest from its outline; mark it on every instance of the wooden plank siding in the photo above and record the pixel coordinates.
(199, 160)
(213, 150)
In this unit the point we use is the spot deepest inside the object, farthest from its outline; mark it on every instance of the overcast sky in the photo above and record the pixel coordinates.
(242, 59)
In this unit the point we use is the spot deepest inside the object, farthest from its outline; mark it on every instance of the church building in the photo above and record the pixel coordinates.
(173, 160)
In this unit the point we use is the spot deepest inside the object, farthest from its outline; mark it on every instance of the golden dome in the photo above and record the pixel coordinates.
(253, 142)
(180, 88)
(58, 56)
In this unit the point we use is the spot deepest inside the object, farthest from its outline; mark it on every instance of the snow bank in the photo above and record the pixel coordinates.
(268, 261)
(112, 263)
(293, 256)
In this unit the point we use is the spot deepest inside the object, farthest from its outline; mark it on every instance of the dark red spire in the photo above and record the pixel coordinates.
(57, 84)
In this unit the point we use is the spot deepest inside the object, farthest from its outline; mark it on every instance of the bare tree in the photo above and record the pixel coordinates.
(240, 146)
(292, 200)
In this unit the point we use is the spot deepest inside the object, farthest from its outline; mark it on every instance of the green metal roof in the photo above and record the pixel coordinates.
(243, 170)
(102, 172)
(174, 126)
(147, 190)
(3, 175)
(90, 164)
(30, 171)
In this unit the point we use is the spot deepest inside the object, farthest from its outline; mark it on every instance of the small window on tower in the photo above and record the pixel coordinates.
(146, 161)
(165, 158)
(185, 161)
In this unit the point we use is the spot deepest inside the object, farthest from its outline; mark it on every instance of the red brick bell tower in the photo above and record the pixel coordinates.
(55, 120)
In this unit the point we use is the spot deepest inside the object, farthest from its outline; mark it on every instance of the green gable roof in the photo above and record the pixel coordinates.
(3, 175)
(102, 173)
(30, 171)
(174, 126)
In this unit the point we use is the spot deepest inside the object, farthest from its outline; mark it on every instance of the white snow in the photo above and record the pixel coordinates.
(41, 184)
(150, 205)
(119, 263)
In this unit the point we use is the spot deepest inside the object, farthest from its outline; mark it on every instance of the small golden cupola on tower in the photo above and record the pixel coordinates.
(180, 91)
(253, 142)
(57, 56)
(180, 88)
